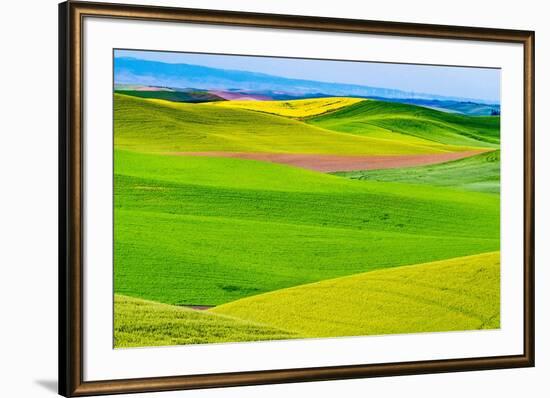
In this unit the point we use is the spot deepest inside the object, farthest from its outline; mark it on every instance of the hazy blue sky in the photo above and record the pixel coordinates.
(477, 83)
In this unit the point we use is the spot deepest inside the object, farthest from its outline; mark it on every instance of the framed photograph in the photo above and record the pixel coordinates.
(254, 199)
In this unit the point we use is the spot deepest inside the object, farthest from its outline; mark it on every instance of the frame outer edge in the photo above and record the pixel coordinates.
(299, 22)
(71, 241)
(64, 320)
(70, 216)
(529, 198)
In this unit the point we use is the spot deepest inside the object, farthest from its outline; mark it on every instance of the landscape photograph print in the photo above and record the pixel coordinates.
(269, 198)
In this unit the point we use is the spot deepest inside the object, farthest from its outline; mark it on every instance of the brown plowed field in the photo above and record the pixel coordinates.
(328, 163)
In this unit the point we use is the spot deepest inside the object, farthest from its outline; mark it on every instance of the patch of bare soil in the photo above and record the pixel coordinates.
(330, 163)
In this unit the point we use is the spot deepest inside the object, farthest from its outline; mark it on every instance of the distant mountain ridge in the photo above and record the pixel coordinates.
(134, 71)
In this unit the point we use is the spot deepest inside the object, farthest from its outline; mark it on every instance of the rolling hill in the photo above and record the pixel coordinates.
(476, 173)
(469, 108)
(191, 96)
(152, 125)
(141, 323)
(232, 228)
(295, 108)
(456, 294)
(217, 204)
(371, 118)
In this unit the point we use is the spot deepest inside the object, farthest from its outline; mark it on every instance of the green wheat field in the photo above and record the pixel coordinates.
(234, 223)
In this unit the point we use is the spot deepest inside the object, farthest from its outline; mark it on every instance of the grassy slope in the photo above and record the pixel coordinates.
(294, 108)
(149, 125)
(217, 230)
(141, 323)
(177, 96)
(378, 119)
(456, 294)
(477, 173)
